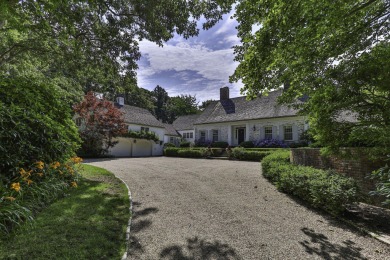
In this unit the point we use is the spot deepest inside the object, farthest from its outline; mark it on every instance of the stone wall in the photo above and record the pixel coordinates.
(354, 164)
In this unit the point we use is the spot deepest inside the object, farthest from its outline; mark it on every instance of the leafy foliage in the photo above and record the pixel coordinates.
(142, 135)
(95, 43)
(243, 154)
(247, 144)
(190, 153)
(322, 189)
(382, 176)
(101, 122)
(35, 125)
(219, 144)
(335, 53)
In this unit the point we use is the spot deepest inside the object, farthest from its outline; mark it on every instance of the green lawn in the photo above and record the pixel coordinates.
(89, 223)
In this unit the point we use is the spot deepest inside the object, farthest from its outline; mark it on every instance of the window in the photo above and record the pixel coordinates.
(215, 135)
(288, 133)
(172, 139)
(268, 132)
(79, 121)
(191, 135)
(203, 136)
(145, 129)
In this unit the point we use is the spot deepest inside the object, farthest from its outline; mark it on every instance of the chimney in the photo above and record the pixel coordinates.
(224, 93)
(120, 101)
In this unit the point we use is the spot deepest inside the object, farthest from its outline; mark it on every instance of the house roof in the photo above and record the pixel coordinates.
(139, 116)
(237, 109)
(185, 122)
(170, 130)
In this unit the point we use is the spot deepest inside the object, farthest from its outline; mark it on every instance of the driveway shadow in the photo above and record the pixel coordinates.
(199, 249)
(139, 222)
(320, 245)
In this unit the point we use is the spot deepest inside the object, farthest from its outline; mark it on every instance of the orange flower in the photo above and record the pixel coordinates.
(73, 184)
(55, 165)
(39, 165)
(10, 198)
(29, 182)
(15, 186)
(40, 174)
(24, 173)
(76, 160)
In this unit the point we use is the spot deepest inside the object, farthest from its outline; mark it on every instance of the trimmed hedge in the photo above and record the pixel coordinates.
(189, 153)
(171, 151)
(322, 189)
(185, 144)
(245, 155)
(219, 144)
(247, 144)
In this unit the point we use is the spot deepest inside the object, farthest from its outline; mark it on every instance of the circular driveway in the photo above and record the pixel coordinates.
(219, 209)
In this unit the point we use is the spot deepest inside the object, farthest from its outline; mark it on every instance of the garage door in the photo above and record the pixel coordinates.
(142, 148)
(122, 149)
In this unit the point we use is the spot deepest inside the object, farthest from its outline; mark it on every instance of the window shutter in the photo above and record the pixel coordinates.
(295, 132)
(275, 134)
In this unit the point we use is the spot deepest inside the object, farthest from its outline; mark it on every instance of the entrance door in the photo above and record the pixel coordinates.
(240, 135)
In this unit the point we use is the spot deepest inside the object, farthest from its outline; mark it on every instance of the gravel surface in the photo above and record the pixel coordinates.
(217, 209)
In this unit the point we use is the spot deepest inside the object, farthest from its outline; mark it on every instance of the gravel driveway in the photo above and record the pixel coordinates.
(216, 209)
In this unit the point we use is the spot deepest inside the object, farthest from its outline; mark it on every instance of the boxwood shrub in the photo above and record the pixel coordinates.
(247, 144)
(189, 153)
(219, 144)
(322, 189)
(246, 155)
(171, 151)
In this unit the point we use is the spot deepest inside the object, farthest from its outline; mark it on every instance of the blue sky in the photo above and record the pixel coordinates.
(197, 66)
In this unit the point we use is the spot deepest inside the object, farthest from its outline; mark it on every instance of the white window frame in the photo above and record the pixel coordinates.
(215, 135)
(268, 134)
(202, 132)
(191, 135)
(145, 129)
(286, 134)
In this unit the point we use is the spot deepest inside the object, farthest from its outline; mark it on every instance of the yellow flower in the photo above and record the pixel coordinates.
(55, 165)
(24, 173)
(40, 174)
(73, 184)
(15, 186)
(10, 198)
(76, 160)
(29, 182)
(39, 165)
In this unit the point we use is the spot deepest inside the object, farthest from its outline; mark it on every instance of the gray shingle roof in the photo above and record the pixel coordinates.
(140, 116)
(185, 122)
(170, 130)
(237, 109)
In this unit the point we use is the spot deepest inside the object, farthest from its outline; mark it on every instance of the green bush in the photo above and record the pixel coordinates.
(219, 144)
(322, 189)
(148, 135)
(247, 144)
(171, 151)
(35, 125)
(189, 153)
(185, 144)
(240, 153)
(169, 145)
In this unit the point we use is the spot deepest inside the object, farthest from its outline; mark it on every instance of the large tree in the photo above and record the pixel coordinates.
(94, 43)
(181, 105)
(335, 52)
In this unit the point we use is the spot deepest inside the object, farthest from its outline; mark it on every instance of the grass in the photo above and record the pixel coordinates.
(89, 223)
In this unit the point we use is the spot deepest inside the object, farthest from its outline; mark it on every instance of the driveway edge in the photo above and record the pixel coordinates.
(124, 256)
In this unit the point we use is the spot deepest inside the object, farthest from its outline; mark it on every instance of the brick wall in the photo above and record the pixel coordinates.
(356, 165)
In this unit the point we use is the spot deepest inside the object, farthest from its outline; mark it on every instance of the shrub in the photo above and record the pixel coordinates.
(142, 135)
(190, 153)
(171, 151)
(322, 189)
(247, 144)
(35, 125)
(271, 143)
(220, 144)
(185, 144)
(245, 155)
(202, 143)
(169, 145)
(383, 184)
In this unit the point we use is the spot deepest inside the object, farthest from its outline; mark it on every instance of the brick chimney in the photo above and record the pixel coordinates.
(224, 93)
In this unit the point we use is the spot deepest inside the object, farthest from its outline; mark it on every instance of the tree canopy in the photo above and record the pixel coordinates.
(335, 52)
(94, 44)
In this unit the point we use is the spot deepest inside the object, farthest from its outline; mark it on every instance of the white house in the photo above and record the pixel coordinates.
(184, 125)
(171, 135)
(235, 120)
(139, 119)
